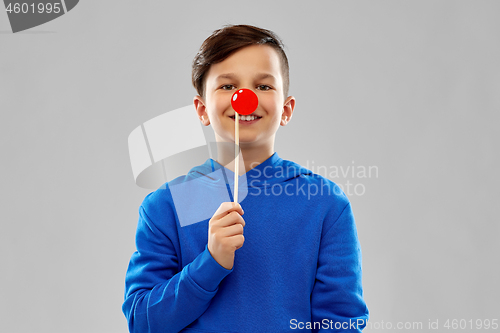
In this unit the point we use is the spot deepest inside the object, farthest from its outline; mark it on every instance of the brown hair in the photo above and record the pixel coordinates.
(229, 39)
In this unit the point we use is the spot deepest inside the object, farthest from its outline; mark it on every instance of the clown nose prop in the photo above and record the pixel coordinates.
(244, 102)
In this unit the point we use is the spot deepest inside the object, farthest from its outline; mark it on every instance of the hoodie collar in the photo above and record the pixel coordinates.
(272, 170)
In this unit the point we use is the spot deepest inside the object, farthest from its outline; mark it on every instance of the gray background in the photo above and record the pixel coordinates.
(411, 87)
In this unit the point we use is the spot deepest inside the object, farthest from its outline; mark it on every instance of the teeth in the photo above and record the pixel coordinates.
(247, 118)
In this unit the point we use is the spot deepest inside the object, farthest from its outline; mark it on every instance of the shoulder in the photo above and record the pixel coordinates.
(327, 198)
(158, 203)
(315, 181)
(162, 196)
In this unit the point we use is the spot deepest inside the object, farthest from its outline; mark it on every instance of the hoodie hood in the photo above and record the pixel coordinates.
(197, 195)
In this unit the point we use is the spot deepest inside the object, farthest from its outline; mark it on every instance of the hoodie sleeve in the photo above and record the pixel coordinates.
(337, 294)
(159, 296)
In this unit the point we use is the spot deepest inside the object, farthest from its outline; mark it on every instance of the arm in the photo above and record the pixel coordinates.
(337, 296)
(159, 297)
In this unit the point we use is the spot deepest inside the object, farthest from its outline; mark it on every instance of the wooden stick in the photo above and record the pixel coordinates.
(236, 154)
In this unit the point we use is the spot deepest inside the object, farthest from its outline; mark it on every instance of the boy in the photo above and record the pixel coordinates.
(298, 265)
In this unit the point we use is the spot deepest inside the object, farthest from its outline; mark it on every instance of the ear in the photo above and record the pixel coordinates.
(201, 110)
(287, 110)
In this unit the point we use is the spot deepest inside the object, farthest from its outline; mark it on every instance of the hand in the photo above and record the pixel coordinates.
(225, 233)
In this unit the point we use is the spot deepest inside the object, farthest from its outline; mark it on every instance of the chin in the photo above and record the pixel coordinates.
(247, 143)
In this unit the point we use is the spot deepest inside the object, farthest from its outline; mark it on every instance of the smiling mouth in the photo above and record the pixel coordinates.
(246, 122)
(256, 117)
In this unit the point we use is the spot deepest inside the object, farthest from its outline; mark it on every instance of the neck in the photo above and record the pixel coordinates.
(250, 156)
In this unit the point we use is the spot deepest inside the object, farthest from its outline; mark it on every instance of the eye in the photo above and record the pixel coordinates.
(227, 87)
(264, 87)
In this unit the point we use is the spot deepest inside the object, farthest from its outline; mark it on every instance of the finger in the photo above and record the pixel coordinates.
(237, 241)
(232, 230)
(227, 207)
(230, 219)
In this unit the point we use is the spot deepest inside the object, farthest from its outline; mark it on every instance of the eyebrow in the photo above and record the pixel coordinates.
(260, 76)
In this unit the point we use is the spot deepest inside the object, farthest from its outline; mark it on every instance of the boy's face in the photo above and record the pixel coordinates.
(257, 68)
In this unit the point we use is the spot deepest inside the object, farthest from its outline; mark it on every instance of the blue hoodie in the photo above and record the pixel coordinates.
(299, 267)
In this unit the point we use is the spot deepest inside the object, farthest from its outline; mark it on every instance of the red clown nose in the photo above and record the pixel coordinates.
(244, 101)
